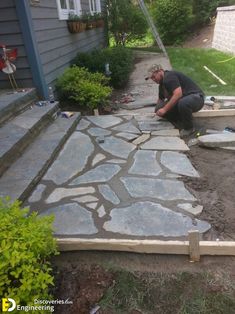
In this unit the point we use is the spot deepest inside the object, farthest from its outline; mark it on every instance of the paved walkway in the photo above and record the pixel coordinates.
(120, 176)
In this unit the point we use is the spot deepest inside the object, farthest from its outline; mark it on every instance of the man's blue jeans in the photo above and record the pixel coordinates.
(181, 113)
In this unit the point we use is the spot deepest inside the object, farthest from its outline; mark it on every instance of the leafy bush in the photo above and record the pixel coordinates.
(126, 21)
(120, 60)
(26, 243)
(203, 10)
(87, 89)
(173, 19)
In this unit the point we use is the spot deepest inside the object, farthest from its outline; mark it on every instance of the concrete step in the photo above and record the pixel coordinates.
(11, 104)
(18, 181)
(19, 132)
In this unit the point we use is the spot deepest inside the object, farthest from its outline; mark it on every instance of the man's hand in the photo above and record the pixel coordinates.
(161, 112)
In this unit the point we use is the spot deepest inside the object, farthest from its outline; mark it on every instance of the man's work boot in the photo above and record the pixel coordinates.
(188, 132)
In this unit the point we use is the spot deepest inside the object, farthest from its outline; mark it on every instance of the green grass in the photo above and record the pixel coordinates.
(191, 62)
(164, 293)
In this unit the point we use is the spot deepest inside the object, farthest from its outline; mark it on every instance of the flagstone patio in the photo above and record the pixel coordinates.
(120, 188)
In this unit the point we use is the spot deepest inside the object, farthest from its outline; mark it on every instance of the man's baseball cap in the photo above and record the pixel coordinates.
(152, 69)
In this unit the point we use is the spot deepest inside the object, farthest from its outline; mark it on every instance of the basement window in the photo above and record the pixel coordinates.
(95, 6)
(65, 7)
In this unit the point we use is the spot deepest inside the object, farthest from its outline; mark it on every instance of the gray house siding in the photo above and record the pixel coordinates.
(57, 47)
(10, 35)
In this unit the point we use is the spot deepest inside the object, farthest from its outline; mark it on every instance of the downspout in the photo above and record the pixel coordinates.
(26, 24)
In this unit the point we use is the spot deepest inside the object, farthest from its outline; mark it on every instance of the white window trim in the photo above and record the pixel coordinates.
(64, 13)
(98, 6)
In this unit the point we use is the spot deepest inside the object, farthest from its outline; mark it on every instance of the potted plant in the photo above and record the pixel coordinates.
(99, 19)
(88, 19)
(75, 24)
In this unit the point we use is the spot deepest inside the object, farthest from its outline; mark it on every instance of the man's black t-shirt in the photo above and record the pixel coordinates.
(175, 79)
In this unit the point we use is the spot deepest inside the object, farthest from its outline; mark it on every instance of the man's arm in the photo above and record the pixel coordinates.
(177, 94)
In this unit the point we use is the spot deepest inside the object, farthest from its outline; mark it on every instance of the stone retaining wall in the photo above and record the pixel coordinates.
(224, 33)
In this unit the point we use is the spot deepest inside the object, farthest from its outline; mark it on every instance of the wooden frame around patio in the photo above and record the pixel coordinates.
(192, 247)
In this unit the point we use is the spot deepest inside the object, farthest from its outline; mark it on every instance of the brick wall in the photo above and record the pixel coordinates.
(224, 33)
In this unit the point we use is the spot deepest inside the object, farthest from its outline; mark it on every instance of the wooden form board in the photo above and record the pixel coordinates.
(215, 113)
(150, 246)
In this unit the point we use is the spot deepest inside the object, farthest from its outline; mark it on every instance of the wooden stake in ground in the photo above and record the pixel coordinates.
(194, 248)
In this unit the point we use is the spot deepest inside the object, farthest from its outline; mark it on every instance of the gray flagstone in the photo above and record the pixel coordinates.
(98, 132)
(105, 121)
(127, 136)
(155, 125)
(108, 193)
(127, 127)
(72, 159)
(101, 173)
(71, 219)
(37, 193)
(117, 147)
(152, 219)
(60, 193)
(165, 143)
(178, 163)
(82, 125)
(167, 190)
(97, 159)
(145, 163)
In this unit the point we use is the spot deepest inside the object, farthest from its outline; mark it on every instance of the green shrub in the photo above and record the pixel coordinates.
(120, 61)
(85, 88)
(173, 19)
(26, 244)
(126, 21)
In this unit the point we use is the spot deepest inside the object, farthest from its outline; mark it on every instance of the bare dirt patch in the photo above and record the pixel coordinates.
(215, 187)
(202, 38)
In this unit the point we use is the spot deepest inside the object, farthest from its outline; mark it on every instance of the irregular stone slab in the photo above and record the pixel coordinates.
(92, 205)
(97, 159)
(126, 117)
(37, 193)
(101, 211)
(152, 219)
(71, 219)
(116, 161)
(189, 208)
(217, 140)
(117, 147)
(82, 125)
(60, 193)
(155, 125)
(127, 136)
(108, 193)
(102, 173)
(105, 121)
(98, 132)
(167, 190)
(165, 143)
(147, 117)
(145, 163)
(141, 139)
(72, 159)
(171, 132)
(127, 127)
(178, 163)
(85, 199)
